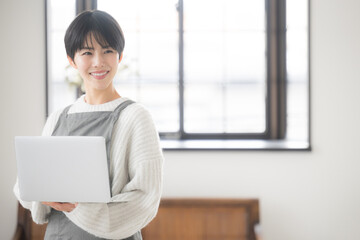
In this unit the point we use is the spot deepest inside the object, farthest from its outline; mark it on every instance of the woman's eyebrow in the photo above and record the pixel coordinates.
(91, 48)
(88, 48)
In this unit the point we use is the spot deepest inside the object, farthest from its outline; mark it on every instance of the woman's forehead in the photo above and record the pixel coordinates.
(92, 39)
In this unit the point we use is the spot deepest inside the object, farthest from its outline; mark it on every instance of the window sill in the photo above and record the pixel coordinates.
(249, 145)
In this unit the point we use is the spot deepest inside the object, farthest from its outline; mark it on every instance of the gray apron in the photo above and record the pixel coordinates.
(82, 124)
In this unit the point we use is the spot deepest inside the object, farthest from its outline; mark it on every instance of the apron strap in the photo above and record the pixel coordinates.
(116, 113)
(121, 107)
(61, 117)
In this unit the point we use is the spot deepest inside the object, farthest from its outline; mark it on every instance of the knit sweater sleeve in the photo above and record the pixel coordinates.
(137, 202)
(39, 212)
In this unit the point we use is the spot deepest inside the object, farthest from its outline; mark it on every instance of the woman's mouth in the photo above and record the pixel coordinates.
(99, 75)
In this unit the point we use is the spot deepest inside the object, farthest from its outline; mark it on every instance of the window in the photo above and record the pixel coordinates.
(214, 73)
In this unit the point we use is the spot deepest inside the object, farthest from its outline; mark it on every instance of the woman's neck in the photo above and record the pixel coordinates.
(100, 97)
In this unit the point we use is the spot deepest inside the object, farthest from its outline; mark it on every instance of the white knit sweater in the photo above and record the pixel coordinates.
(135, 171)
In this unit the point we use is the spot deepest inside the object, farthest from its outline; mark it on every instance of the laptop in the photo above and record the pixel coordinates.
(62, 168)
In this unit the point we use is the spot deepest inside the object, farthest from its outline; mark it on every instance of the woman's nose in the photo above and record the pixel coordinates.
(98, 60)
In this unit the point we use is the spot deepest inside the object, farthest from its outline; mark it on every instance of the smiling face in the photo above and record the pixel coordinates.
(97, 65)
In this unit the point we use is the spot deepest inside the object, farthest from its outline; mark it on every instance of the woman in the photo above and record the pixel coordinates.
(94, 44)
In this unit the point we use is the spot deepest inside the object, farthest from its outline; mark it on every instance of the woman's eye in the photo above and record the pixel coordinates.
(86, 53)
(108, 51)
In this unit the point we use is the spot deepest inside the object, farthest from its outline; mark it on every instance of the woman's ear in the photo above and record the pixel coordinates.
(71, 61)
(121, 56)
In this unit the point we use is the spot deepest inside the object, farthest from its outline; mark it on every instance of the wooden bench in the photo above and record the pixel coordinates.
(204, 219)
(181, 219)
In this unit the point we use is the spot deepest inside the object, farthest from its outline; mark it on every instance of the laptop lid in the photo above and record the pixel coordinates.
(62, 168)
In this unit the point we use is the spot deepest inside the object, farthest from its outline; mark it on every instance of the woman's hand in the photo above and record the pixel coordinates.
(64, 207)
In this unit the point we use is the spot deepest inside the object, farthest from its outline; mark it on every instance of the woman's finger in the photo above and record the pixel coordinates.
(67, 207)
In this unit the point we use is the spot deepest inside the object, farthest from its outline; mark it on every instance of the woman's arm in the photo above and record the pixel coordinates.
(16, 190)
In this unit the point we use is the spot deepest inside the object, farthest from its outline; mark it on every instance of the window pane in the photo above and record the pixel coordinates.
(224, 66)
(297, 70)
(60, 14)
(150, 62)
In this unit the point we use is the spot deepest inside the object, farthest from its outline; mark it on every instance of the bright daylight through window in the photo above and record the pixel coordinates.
(209, 71)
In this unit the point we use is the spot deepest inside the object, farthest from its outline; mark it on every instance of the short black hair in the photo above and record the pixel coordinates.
(98, 24)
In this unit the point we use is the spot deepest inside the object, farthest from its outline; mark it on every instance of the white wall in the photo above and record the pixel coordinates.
(304, 195)
(22, 92)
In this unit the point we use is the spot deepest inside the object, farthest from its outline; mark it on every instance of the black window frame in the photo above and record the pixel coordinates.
(276, 79)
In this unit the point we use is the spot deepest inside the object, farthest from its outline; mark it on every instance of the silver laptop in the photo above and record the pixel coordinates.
(62, 169)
